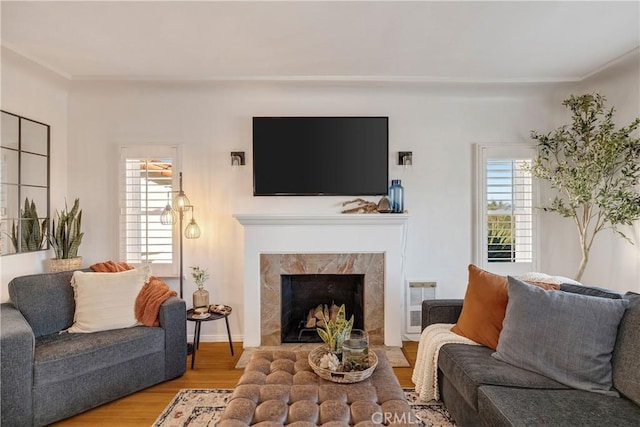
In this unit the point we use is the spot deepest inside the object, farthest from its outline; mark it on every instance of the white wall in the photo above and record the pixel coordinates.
(33, 92)
(613, 263)
(211, 119)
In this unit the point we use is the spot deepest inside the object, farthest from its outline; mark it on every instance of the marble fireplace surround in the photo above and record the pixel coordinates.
(272, 266)
(321, 234)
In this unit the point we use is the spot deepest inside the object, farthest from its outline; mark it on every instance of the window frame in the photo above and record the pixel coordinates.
(148, 152)
(507, 151)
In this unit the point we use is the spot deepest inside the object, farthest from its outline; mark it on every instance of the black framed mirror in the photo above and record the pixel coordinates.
(24, 184)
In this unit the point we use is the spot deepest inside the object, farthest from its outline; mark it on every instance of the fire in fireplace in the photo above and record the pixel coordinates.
(305, 296)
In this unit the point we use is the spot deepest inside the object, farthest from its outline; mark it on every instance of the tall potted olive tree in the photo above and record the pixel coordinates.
(594, 168)
(65, 238)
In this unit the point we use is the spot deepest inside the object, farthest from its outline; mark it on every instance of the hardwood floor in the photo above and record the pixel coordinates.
(215, 368)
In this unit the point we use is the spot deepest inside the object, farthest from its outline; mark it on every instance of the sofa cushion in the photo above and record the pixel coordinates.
(45, 300)
(106, 301)
(506, 406)
(564, 336)
(55, 401)
(59, 357)
(468, 367)
(626, 359)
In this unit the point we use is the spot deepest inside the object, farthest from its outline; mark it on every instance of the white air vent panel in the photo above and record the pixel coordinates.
(417, 291)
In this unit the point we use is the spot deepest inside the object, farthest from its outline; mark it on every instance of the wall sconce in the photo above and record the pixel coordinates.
(405, 158)
(237, 158)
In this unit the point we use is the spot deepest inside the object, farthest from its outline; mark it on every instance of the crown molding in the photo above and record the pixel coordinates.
(635, 52)
(16, 50)
(350, 79)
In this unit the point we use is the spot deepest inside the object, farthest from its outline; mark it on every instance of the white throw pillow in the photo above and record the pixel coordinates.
(106, 301)
(545, 278)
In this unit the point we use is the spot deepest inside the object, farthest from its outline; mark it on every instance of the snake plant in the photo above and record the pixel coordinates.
(336, 331)
(65, 237)
(30, 235)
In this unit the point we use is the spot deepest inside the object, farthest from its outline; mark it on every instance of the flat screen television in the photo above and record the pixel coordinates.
(320, 156)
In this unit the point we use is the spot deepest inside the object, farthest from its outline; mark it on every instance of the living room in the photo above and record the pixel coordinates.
(313, 59)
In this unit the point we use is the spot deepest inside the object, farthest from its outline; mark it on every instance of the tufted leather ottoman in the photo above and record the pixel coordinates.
(279, 388)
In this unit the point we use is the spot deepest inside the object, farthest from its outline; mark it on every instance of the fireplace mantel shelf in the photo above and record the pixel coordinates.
(321, 219)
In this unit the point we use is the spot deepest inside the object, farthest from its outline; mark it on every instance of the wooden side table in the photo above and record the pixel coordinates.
(193, 317)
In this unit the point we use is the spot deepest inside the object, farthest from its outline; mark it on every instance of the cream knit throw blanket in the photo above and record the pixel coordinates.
(425, 373)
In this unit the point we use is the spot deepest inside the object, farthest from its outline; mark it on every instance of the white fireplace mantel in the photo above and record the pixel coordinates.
(325, 233)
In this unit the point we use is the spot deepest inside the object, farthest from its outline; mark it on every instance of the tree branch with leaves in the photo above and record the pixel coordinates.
(594, 168)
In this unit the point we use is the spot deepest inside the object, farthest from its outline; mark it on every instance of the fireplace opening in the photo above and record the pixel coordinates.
(303, 292)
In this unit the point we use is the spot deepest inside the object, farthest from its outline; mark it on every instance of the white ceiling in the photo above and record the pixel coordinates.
(474, 41)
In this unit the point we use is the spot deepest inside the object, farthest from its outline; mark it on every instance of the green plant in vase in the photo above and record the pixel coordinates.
(65, 238)
(336, 330)
(201, 295)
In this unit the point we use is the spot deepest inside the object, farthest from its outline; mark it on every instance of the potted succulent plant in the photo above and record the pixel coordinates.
(336, 330)
(65, 238)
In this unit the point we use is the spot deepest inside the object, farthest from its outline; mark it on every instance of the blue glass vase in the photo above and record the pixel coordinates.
(396, 196)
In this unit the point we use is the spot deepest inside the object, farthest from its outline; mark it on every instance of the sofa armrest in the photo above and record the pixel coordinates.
(17, 344)
(440, 311)
(173, 319)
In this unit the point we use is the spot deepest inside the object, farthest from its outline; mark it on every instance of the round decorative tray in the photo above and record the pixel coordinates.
(338, 376)
(219, 309)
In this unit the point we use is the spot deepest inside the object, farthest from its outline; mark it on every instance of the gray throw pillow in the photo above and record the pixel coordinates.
(564, 336)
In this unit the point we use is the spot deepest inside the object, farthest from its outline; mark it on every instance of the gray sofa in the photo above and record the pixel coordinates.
(47, 375)
(478, 389)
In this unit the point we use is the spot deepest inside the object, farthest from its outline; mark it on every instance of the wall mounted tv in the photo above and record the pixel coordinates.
(311, 156)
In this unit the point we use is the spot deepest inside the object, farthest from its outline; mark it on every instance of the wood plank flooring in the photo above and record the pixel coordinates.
(215, 368)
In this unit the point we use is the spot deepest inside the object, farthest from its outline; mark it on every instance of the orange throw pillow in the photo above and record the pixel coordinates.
(484, 307)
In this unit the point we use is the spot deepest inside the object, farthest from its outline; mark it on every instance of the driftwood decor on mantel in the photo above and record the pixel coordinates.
(365, 206)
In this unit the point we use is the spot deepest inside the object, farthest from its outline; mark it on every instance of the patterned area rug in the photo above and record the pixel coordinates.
(195, 407)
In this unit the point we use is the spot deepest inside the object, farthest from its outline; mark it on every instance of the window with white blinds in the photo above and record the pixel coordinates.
(506, 218)
(146, 186)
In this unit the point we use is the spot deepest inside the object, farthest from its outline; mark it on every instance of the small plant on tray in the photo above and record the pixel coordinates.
(335, 331)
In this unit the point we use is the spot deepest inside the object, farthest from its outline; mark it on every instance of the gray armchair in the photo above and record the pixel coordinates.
(47, 375)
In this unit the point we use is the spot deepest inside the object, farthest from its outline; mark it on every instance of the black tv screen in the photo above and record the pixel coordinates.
(346, 156)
